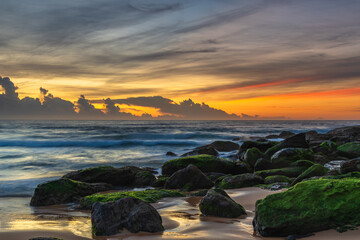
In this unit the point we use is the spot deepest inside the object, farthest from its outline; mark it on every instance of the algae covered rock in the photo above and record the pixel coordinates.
(217, 203)
(189, 178)
(352, 165)
(144, 178)
(308, 207)
(261, 145)
(129, 213)
(206, 163)
(208, 150)
(64, 191)
(225, 146)
(316, 170)
(277, 179)
(350, 150)
(240, 181)
(296, 141)
(252, 155)
(286, 156)
(149, 196)
(288, 172)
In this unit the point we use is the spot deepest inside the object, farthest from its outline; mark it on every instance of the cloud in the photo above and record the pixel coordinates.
(86, 109)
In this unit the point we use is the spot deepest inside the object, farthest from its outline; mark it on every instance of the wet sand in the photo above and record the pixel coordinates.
(181, 219)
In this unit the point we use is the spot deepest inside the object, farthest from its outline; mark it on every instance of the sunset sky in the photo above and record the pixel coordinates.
(265, 59)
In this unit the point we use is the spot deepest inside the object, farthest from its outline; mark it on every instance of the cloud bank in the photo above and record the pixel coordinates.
(48, 106)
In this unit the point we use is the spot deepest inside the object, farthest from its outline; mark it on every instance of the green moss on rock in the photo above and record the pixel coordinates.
(206, 163)
(149, 196)
(286, 156)
(351, 149)
(328, 145)
(252, 155)
(288, 172)
(240, 181)
(316, 170)
(308, 207)
(277, 179)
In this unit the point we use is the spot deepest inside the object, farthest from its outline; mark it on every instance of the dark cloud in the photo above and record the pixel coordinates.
(86, 109)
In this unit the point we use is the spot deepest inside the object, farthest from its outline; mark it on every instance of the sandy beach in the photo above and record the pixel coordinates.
(181, 219)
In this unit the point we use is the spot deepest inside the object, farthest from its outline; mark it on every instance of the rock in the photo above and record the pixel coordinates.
(124, 176)
(334, 165)
(189, 178)
(315, 170)
(278, 186)
(208, 150)
(261, 145)
(200, 193)
(252, 155)
(283, 134)
(225, 146)
(64, 191)
(171, 154)
(288, 172)
(263, 164)
(129, 213)
(309, 207)
(206, 163)
(144, 178)
(350, 150)
(286, 156)
(296, 141)
(213, 176)
(240, 181)
(328, 145)
(352, 165)
(277, 179)
(217, 203)
(160, 181)
(345, 134)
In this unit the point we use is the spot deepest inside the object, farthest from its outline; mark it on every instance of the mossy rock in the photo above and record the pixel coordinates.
(261, 145)
(160, 181)
(149, 196)
(288, 172)
(315, 170)
(328, 145)
(286, 156)
(296, 141)
(144, 178)
(277, 179)
(355, 175)
(252, 155)
(64, 191)
(225, 146)
(206, 163)
(350, 150)
(240, 181)
(217, 203)
(309, 207)
(302, 163)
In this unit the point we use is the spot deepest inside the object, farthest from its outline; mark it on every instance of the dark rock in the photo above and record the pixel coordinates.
(189, 178)
(283, 134)
(277, 179)
(350, 150)
(144, 178)
(288, 172)
(200, 193)
(352, 165)
(171, 154)
(344, 134)
(286, 156)
(296, 141)
(129, 213)
(225, 146)
(206, 163)
(160, 181)
(214, 175)
(208, 150)
(251, 156)
(64, 191)
(263, 164)
(240, 181)
(315, 170)
(217, 203)
(261, 145)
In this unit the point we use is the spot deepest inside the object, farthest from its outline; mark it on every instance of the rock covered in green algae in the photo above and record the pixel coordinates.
(206, 163)
(150, 196)
(240, 181)
(189, 178)
(286, 156)
(124, 176)
(225, 146)
(217, 203)
(291, 172)
(308, 207)
(64, 191)
(350, 150)
(296, 141)
(252, 155)
(315, 170)
(129, 213)
(352, 165)
(277, 179)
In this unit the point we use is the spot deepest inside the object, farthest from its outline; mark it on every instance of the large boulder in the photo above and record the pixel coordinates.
(225, 146)
(129, 213)
(189, 178)
(144, 178)
(315, 170)
(286, 156)
(64, 191)
(251, 156)
(283, 134)
(290, 172)
(240, 181)
(308, 207)
(296, 141)
(345, 134)
(208, 150)
(124, 176)
(352, 165)
(217, 203)
(350, 150)
(206, 163)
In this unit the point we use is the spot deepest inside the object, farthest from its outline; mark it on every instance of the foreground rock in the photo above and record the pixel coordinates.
(189, 178)
(130, 213)
(125, 176)
(241, 181)
(308, 207)
(206, 163)
(64, 191)
(217, 203)
(352, 165)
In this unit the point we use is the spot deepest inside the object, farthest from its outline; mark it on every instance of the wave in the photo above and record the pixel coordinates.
(20, 188)
(94, 143)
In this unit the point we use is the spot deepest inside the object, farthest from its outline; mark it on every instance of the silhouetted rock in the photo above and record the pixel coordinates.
(171, 154)
(240, 181)
(208, 150)
(225, 146)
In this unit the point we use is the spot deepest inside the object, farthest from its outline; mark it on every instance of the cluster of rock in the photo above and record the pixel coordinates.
(296, 163)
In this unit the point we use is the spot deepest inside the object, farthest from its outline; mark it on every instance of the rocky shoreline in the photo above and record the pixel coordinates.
(319, 173)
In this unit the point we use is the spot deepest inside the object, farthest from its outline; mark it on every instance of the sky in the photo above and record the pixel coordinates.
(180, 59)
